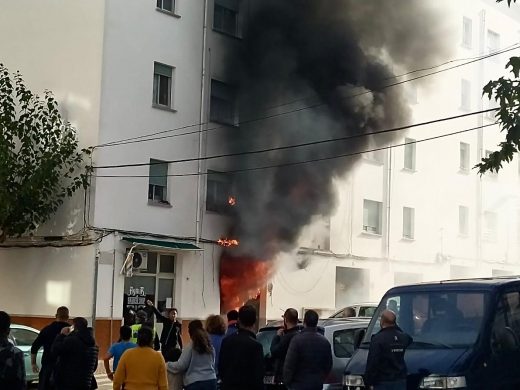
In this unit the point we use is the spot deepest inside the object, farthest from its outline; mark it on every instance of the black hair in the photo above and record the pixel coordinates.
(247, 316)
(310, 319)
(144, 337)
(125, 333)
(232, 315)
(80, 323)
(291, 316)
(5, 323)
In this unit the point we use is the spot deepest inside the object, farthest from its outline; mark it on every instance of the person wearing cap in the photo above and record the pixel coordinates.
(141, 319)
(44, 340)
(281, 342)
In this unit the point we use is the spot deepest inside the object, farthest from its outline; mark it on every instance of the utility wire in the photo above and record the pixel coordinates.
(306, 161)
(311, 143)
(144, 138)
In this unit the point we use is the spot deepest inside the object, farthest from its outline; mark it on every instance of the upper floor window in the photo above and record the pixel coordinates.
(158, 181)
(409, 154)
(218, 192)
(166, 5)
(162, 85)
(464, 157)
(493, 43)
(465, 95)
(223, 107)
(372, 216)
(225, 17)
(490, 225)
(467, 32)
(408, 222)
(463, 220)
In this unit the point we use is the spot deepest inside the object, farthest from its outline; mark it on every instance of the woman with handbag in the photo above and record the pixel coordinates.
(197, 361)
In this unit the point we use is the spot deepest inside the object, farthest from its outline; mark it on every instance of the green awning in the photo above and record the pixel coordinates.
(161, 244)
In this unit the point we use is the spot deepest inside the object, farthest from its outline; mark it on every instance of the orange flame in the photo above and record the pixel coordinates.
(227, 242)
(232, 201)
(241, 279)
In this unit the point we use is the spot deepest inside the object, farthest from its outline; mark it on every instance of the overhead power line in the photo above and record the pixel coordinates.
(151, 136)
(305, 144)
(288, 164)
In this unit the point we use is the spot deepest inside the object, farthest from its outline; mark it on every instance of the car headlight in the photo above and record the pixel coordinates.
(353, 380)
(443, 382)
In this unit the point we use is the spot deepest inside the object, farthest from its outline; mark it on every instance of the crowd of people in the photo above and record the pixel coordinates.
(218, 357)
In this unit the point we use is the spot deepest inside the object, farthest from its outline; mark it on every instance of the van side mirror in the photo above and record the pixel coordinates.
(359, 335)
(505, 340)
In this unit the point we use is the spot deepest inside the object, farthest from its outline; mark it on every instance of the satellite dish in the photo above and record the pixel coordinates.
(137, 260)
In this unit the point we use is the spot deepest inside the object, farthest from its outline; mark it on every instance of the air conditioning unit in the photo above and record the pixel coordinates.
(140, 261)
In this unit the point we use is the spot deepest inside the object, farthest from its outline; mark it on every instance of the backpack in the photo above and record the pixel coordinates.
(11, 376)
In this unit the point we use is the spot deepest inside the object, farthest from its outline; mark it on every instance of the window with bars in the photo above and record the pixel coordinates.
(162, 85)
(493, 44)
(408, 223)
(158, 181)
(223, 107)
(372, 216)
(225, 17)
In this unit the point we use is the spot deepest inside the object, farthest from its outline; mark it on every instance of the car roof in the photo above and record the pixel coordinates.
(18, 326)
(323, 323)
(490, 283)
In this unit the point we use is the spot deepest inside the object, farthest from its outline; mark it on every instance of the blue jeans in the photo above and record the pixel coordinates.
(203, 385)
(397, 385)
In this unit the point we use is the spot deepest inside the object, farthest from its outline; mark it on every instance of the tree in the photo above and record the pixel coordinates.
(40, 163)
(506, 92)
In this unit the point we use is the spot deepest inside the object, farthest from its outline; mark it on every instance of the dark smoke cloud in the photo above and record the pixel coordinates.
(321, 48)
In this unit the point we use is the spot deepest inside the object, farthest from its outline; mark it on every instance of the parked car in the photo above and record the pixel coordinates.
(465, 334)
(357, 310)
(341, 334)
(22, 337)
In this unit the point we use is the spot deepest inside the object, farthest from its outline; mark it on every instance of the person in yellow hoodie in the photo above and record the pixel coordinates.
(141, 368)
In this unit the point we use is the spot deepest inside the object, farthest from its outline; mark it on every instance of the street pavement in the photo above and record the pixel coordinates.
(103, 382)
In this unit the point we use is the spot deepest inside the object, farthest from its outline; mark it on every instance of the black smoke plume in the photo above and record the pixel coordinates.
(316, 53)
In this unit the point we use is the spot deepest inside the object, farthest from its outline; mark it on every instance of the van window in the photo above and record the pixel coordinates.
(508, 314)
(436, 319)
(343, 343)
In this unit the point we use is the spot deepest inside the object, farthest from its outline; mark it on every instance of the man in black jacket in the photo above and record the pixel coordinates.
(12, 369)
(281, 342)
(45, 339)
(77, 357)
(386, 369)
(309, 358)
(171, 335)
(241, 361)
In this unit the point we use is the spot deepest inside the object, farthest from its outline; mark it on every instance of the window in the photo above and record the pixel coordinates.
(223, 103)
(162, 85)
(507, 316)
(372, 213)
(463, 220)
(343, 342)
(167, 5)
(464, 157)
(218, 192)
(490, 225)
(409, 154)
(158, 181)
(493, 43)
(408, 222)
(465, 95)
(466, 32)
(23, 337)
(225, 18)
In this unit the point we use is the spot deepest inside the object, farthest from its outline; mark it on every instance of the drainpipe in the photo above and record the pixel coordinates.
(388, 193)
(112, 294)
(94, 302)
(201, 120)
(480, 138)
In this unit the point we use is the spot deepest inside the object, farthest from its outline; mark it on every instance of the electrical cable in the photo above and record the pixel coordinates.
(144, 138)
(345, 138)
(306, 161)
